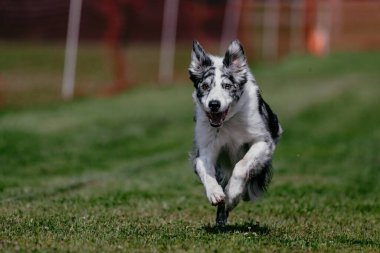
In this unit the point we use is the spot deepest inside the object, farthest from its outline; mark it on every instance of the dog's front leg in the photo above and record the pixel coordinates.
(253, 161)
(206, 172)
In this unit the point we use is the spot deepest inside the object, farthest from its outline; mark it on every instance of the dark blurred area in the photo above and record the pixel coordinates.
(355, 20)
(124, 43)
(138, 20)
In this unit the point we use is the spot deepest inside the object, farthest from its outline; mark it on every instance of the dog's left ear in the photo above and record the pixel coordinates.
(235, 57)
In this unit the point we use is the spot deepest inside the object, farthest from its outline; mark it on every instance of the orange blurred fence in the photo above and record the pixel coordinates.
(316, 26)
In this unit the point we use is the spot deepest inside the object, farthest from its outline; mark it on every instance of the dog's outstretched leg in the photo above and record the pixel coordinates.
(221, 215)
(206, 173)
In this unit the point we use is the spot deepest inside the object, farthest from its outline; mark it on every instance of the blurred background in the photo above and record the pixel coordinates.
(60, 49)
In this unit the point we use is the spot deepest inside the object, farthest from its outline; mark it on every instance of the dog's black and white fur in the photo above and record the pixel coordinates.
(236, 131)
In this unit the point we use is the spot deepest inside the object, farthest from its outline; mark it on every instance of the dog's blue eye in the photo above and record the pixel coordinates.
(205, 86)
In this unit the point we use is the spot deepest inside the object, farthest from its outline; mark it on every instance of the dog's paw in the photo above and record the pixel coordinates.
(232, 202)
(215, 195)
(234, 191)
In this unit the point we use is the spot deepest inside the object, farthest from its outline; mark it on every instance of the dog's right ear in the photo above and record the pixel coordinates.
(198, 55)
(199, 61)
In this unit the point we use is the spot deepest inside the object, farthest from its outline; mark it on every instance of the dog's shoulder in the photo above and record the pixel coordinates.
(269, 117)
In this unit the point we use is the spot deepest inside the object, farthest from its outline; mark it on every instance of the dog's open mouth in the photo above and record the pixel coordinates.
(216, 119)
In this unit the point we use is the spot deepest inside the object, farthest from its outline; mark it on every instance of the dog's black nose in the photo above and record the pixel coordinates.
(214, 105)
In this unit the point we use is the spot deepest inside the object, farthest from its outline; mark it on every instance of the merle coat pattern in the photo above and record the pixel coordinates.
(236, 131)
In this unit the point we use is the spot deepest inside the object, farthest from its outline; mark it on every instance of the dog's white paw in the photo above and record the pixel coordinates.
(215, 195)
(232, 201)
(234, 191)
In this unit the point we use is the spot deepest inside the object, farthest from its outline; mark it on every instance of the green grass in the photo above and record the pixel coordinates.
(112, 174)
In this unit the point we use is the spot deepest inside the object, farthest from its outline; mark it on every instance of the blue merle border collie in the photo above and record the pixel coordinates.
(236, 131)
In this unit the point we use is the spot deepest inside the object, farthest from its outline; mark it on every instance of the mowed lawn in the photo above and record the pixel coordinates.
(108, 175)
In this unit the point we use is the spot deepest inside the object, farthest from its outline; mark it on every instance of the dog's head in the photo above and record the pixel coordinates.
(218, 81)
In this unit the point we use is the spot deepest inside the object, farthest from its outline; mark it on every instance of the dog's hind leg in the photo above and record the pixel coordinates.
(221, 215)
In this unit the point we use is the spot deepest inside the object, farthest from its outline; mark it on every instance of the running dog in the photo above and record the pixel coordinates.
(236, 131)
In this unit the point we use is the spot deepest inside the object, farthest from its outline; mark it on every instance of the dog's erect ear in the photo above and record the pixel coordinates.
(235, 63)
(199, 56)
(235, 57)
(199, 62)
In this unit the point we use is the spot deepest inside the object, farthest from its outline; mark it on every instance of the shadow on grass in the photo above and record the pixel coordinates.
(246, 227)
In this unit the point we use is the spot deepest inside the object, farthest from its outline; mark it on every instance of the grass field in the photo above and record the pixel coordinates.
(107, 175)
(32, 72)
